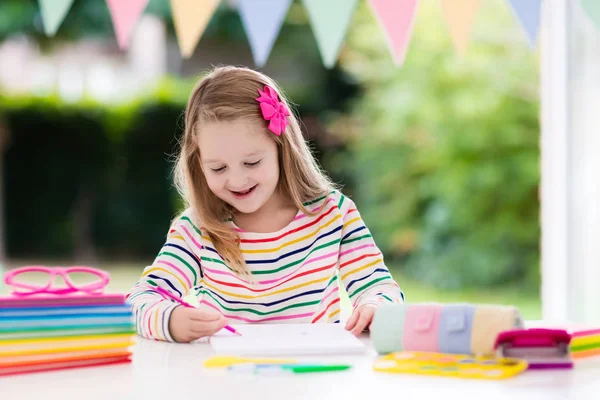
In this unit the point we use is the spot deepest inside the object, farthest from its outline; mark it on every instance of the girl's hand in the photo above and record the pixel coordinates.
(188, 324)
(360, 319)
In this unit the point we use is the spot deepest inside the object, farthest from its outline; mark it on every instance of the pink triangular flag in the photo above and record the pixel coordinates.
(396, 17)
(125, 14)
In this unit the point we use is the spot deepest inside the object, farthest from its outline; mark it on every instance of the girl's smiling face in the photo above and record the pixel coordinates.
(240, 163)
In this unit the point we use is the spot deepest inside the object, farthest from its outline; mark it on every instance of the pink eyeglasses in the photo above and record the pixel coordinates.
(18, 280)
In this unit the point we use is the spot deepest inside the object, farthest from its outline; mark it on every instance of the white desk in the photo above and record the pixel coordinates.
(174, 371)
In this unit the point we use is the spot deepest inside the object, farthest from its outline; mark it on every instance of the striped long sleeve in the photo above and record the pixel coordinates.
(295, 271)
(361, 265)
(177, 269)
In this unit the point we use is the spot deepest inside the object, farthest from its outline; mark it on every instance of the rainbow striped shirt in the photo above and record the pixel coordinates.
(295, 271)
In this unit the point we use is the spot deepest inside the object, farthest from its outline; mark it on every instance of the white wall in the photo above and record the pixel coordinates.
(584, 166)
(570, 195)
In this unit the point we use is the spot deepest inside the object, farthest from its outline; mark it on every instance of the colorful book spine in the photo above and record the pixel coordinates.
(48, 333)
(585, 343)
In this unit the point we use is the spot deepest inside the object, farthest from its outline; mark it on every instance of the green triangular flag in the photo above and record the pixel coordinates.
(53, 13)
(592, 9)
(329, 20)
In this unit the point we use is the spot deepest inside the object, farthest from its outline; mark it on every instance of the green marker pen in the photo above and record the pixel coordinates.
(287, 368)
(303, 368)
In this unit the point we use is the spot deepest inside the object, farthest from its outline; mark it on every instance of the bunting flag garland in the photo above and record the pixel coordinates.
(528, 13)
(262, 20)
(396, 18)
(329, 21)
(592, 9)
(53, 13)
(460, 17)
(125, 15)
(191, 17)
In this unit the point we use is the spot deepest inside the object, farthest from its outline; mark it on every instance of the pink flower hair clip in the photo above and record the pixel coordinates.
(273, 110)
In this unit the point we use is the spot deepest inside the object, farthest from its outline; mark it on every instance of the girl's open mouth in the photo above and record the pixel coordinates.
(245, 193)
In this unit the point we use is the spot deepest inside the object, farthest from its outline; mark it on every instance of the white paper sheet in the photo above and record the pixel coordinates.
(287, 340)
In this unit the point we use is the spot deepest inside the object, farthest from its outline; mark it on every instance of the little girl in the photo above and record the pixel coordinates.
(265, 235)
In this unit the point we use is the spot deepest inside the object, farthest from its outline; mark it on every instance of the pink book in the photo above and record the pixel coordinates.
(57, 300)
(65, 364)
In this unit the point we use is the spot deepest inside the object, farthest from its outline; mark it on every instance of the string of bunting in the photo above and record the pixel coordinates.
(329, 20)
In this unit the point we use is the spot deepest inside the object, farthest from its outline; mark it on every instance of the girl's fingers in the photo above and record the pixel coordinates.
(352, 320)
(366, 316)
(207, 328)
(189, 337)
(204, 315)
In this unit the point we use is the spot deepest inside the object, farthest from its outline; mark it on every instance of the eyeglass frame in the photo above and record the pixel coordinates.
(90, 288)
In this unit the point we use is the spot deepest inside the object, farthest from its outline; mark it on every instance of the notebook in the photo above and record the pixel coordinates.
(287, 340)
(43, 331)
(6, 320)
(41, 311)
(68, 331)
(58, 345)
(52, 300)
(35, 359)
(69, 364)
(66, 321)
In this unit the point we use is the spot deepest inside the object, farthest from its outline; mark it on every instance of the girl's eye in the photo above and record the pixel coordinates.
(253, 164)
(217, 169)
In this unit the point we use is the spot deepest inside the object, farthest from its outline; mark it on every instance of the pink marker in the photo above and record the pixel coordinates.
(185, 304)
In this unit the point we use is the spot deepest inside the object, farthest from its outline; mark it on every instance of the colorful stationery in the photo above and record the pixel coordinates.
(47, 312)
(44, 327)
(64, 364)
(449, 365)
(74, 300)
(227, 361)
(541, 348)
(269, 365)
(287, 368)
(66, 331)
(585, 343)
(456, 328)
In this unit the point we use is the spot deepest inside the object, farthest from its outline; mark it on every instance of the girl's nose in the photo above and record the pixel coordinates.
(237, 182)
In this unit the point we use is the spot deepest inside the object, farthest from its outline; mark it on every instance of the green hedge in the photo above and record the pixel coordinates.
(87, 176)
(446, 149)
(442, 161)
(54, 156)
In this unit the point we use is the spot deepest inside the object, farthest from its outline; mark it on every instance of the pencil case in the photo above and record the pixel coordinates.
(541, 348)
(457, 328)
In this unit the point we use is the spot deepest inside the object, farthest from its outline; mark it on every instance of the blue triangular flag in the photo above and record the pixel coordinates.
(262, 20)
(528, 12)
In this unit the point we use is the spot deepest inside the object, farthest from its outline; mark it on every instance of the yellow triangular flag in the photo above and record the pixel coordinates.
(460, 17)
(190, 18)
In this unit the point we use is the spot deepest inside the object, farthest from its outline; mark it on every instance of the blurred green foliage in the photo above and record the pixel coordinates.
(441, 154)
(445, 149)
(86, 176)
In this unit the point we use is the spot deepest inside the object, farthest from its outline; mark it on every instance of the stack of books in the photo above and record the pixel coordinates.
(585, 343)
(51, 332)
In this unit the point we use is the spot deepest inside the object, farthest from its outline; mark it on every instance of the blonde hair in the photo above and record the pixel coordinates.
(226, 94)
